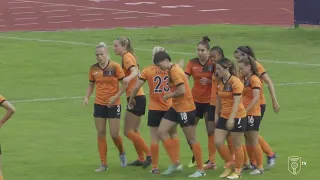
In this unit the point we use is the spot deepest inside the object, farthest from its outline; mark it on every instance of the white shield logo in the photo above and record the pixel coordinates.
(294, 164)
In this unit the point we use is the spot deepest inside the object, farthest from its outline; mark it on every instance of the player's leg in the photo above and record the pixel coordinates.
(187, 123)
(237, 135)
(252, 135)
(131, 126)
(114, 114)
(210, 125)
(100, 115)
(173, 133)
(168, 122)
(220, 135)
(271, 156)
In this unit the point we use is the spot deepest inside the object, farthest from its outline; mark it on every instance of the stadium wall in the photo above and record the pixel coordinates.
(307, 12)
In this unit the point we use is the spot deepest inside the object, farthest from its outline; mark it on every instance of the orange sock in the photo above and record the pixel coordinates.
(102, 147)
(176, 147)
(197, 153)
(211, 149)
(225, 154)
(118, 142)
(239, 159)
(154, 155)
(245, 157)
(167, 144)
(131, 136)
(258, 155)
(251, 155)
(1, 178)
(230, 145)
(265, 147)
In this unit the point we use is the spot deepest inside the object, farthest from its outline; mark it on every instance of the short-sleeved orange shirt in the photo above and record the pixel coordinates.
(261, 72)
(226, 91)
(158, 81)
(177, 78)
(106, 81)
(253, 82)
(200, 93)
(129, 61)
(2, 99)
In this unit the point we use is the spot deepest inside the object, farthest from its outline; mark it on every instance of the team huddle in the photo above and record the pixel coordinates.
(229, 96)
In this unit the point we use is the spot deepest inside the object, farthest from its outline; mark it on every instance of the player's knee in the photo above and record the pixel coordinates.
(101, 133)
(162, 134)
(114, 135)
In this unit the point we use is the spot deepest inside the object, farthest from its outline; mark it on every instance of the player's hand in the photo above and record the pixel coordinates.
(112, 100)
(85, 101)
(165, 97)
(230, 123)
(131, 103)
(204, 81)
(276, 106)
(181, 63)
(216, 117)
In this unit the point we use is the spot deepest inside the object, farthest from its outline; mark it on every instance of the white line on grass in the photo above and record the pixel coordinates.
(141, 49)
(80, 97)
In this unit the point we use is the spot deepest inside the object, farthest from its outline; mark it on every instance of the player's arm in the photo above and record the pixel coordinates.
(237, 89)
(90, 88)
(265, 77)
(218, 108)
(136, 88)
(255, 99)
(179, 83)
(10, 111)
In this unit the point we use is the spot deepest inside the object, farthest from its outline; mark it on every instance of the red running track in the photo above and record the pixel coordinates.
(47, 15)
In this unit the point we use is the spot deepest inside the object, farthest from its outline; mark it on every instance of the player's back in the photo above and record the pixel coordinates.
(157, 80)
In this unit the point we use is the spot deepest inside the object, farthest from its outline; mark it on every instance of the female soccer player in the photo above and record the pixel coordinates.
(181, 112)
(247, 51)
(232, 118)
(105, 76)
(157, 80)
(216, 53)
(201, 70)
(10, 111)
(122, 46)
(251, 96)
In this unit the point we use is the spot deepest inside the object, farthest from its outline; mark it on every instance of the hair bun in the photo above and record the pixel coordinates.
(205, 39)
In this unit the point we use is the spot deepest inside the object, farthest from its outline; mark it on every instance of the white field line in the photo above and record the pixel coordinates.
(88, 7)
(141, 49)
(80, 97)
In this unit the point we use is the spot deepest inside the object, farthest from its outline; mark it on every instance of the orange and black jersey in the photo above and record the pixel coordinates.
(253, 82)
(261, 72)
(226, 91)
(158, 81)
(183, 103)
(2, 99)
(200, 93)
(129, 61)
(106, 81)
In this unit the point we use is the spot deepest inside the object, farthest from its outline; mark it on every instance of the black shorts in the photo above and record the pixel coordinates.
(101, 111)
(154, 117)
(253, 123)
(211, 112)
(140, 108)
(201, 109)
(183, 118)
(240, 124)
(263, 109)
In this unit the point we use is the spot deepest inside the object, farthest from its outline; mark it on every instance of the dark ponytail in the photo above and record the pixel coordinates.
(205, 42)
(246, 50)
(218, 49)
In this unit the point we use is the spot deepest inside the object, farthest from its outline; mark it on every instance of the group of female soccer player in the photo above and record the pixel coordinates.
(229, 96)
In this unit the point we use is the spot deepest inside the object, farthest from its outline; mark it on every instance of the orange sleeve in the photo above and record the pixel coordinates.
(188, 69)
(255, 83)
(143, 75)
(128, 62)
(119, 72)
(176, 78)
(91, 77)
(261, 69)
(237, 88)
(2, 99)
